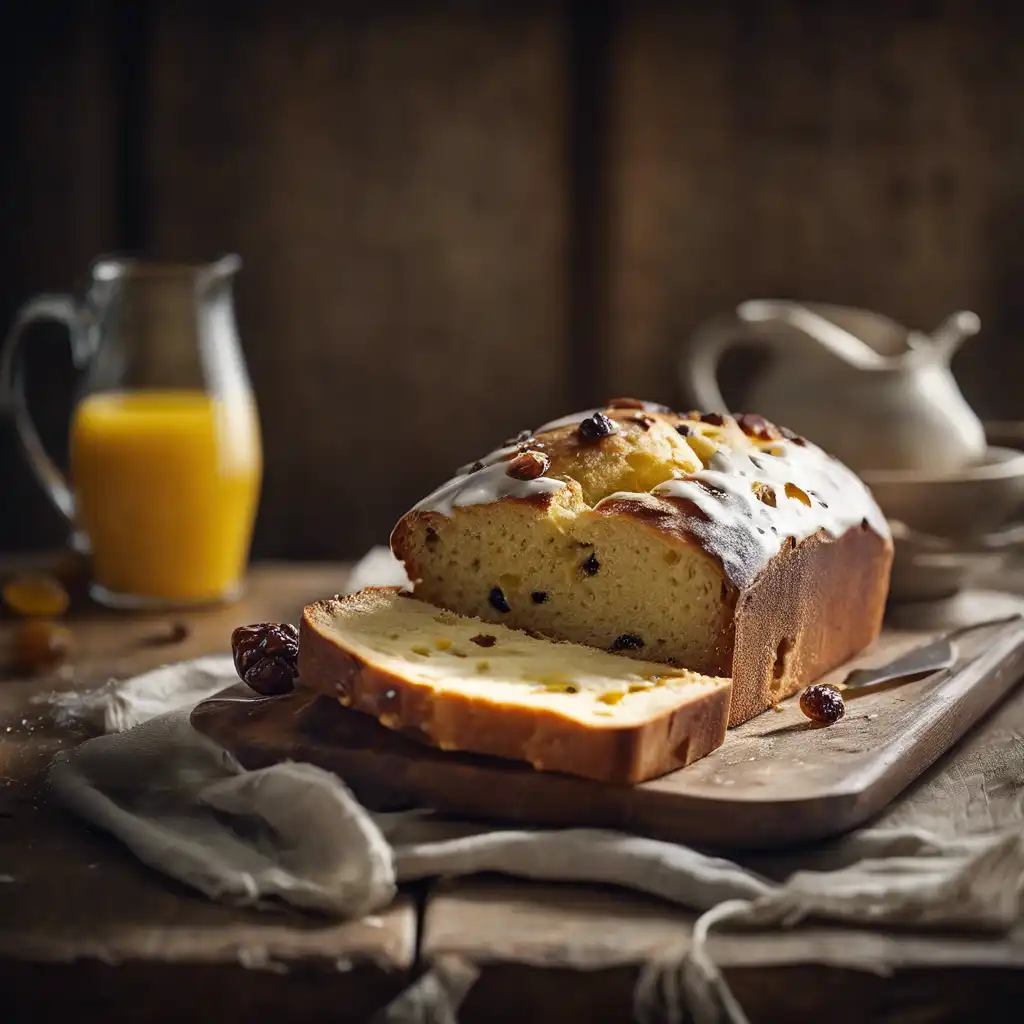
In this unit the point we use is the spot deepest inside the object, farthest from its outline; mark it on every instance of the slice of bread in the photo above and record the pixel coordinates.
(460, 683)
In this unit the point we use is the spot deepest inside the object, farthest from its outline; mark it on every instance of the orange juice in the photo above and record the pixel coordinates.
(167, 484)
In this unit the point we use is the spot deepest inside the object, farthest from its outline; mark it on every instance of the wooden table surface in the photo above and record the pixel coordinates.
(84, 925)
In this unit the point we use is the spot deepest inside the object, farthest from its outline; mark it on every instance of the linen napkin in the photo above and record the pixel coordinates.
(185, 807)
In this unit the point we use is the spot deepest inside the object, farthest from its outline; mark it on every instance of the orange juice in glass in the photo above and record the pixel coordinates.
(167, 484)
(166, 459)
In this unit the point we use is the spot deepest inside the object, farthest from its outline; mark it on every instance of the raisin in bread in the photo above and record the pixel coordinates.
(727, 546)
(459, 683)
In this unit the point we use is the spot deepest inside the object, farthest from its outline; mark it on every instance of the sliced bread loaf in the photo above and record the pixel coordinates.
(727, 546)
(460, 683)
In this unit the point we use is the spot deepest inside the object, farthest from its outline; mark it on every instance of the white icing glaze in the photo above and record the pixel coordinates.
(741, 530)
(484, 486)
(745, 532)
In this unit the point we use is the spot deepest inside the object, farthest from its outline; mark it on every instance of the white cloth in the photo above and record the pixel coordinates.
(294, 832)
(185, 806)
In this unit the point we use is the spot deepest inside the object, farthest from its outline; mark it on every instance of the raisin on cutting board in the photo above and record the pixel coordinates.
(266, 656)
(823, 704)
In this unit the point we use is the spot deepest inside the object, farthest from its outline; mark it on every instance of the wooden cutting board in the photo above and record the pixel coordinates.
(776, 781)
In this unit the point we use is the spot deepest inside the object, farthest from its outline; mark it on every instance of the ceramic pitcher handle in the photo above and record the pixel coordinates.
(699, 364)
(62, 309)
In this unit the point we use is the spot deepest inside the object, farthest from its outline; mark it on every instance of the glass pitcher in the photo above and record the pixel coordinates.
(166, 460)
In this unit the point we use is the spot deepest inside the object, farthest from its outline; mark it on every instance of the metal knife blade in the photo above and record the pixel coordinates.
(930, 657)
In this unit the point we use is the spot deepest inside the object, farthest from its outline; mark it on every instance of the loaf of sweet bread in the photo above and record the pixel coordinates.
(459, 683)
(724, 545)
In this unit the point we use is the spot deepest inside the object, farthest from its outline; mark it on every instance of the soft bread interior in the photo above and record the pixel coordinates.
(568, 570)
(585, 580)
(425, 646)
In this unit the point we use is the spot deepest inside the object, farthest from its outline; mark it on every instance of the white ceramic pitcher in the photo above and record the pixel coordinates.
(873, 393)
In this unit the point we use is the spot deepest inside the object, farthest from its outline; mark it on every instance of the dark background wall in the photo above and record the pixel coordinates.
(458, 219)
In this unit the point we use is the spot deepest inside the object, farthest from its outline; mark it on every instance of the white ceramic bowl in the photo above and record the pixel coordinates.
(934, 575)
(963, 505)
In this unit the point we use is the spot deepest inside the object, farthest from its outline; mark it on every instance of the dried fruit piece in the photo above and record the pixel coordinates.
(40, 644)
(590, 565)
(483, 640)
(36, 594)
(538, 596)
(790, 436)
(757, 426)
(716, 419)
(684, 429)
(271, 677)
(498, 601)
(528, 466)
(792, 491)
(822, 703)
(266, 656)
(476, 467)
(642, 420)
(627, 642)
(593, 428)
(763, 492)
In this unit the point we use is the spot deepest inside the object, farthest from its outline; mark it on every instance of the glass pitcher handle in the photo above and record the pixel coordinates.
(62, 309)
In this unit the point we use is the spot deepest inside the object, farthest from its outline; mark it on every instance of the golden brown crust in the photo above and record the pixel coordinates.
(454, 721)
(815, 605)
(403, 538)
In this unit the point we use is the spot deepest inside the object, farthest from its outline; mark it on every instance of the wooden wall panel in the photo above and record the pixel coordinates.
(394, 179)
(58, 184)
(870, 154)
(460, 218)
